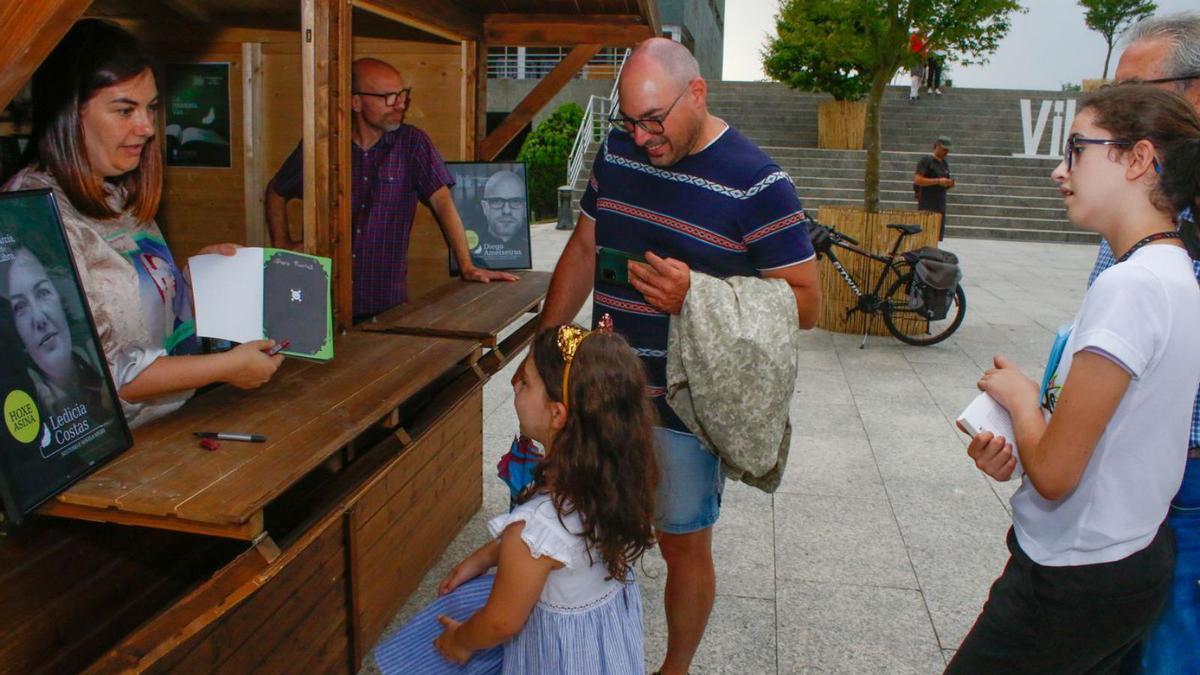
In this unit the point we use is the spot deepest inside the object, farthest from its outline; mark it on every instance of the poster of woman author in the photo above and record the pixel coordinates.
(60, 410)
(492, 199)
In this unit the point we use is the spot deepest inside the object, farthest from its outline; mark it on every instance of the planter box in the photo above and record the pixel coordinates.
(841, 124)
(871, 230)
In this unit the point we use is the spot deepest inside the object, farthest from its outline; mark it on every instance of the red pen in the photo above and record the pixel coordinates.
(279, 347)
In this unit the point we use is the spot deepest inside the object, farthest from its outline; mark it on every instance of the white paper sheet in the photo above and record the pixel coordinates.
(228, 294)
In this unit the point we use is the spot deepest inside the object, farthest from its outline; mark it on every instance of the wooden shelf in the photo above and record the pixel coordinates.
(308, 412)
(466, 310)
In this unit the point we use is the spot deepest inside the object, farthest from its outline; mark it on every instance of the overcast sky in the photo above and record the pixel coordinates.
(1047, 46)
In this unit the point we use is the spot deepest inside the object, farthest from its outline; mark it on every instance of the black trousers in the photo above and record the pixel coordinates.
(1083, 619)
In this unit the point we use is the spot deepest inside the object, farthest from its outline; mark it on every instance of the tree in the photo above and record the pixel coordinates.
(1110, 18)
(545, 153)
(853, 48)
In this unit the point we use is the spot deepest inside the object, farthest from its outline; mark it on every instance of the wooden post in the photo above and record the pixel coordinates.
(533, 102)
(481, 57)
(253, 143)
(325, 55)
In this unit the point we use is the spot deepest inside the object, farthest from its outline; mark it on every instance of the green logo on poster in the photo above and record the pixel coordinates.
(21, 416)
(472, 239)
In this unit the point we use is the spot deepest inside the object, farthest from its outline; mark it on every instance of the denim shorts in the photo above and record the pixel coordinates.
(690, 484)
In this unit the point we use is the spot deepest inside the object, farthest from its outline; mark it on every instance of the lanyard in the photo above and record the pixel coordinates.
(1173, 234)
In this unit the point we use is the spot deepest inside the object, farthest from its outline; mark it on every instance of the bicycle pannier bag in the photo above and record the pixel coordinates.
(935, 278)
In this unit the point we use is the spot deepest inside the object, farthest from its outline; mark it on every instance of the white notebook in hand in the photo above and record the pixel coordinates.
(985, 414)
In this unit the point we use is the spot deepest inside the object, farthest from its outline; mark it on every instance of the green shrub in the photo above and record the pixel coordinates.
(546, 153)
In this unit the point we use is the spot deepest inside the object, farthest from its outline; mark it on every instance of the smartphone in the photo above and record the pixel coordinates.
(613, 265)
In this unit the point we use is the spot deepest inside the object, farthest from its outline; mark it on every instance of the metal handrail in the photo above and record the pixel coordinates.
(593, 126)
(508, 65)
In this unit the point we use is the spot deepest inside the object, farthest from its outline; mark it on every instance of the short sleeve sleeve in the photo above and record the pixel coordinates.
(429, 170)
(587, 203)
(543, 533)
(773, 222)
(1124, 315)
(923, 166)
(289, 180)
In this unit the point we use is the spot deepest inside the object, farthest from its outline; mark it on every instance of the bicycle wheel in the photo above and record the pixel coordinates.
(909, 326)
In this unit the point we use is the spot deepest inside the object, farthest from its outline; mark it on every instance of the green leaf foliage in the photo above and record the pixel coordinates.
(1110, 18)
(851, 49)
(546, 152)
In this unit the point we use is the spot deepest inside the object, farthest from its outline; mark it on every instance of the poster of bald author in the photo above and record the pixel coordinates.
(493, 201)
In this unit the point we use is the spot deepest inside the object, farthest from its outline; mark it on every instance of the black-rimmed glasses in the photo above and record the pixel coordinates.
(389, 97)
(1075, 142)
(651, 125)
(513, 203)
(1163, 80)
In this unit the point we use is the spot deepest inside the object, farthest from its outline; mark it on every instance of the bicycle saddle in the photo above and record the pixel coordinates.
(906, 229)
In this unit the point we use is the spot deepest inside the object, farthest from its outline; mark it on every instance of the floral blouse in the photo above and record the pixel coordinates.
(140, 301)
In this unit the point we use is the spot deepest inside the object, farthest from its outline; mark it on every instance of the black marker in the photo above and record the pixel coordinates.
(229, 436)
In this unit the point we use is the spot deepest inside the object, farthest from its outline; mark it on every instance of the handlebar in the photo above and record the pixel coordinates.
(842, 235)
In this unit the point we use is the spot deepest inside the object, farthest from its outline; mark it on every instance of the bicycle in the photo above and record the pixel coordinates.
(908, 323)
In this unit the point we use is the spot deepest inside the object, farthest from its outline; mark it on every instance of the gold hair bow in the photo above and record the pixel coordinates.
(570, 337)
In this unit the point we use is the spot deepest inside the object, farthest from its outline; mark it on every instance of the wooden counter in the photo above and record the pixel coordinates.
(308, 412)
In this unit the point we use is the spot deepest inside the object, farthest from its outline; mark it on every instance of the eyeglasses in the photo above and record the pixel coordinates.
(1075, 142)
(1163, 80)
(389, 97)
(498, 203)
(651, 125)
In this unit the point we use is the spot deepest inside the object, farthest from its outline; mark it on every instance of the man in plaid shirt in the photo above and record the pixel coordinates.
(394, 166)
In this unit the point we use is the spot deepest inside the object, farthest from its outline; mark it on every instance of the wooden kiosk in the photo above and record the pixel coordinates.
(291, 556)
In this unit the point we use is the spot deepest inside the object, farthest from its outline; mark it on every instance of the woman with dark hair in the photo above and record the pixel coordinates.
(63, 374)
(1092, 558)
(96, 145)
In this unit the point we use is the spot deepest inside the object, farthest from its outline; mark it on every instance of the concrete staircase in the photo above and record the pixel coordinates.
(998, 196)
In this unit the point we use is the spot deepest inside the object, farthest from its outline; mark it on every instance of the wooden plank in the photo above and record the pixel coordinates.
(248, 530)
(649, 11)
(466, 310)
(480, 67)
(339, 121)
(254, 165)
(204, 606)
(31, 30)
(448, 20)
(498, 357)
(539, 96)
(554, 30)
(307, 411)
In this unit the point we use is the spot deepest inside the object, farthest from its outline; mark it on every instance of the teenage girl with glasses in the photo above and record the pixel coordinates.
(1091, 560)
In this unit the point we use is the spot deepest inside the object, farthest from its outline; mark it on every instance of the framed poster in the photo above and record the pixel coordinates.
(493, 201)
(198, 115)
(62, 417)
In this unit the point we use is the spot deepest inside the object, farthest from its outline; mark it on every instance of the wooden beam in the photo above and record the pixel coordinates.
(480, 65)
(649, 11)
(325, 57)
(534, 30)
(533, 102)
(31, 30)
(253, 145)
(190, 10)
(447, 20)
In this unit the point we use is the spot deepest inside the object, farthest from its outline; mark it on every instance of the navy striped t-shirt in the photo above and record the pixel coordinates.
(728, 210)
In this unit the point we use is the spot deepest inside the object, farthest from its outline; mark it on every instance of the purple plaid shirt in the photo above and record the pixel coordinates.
(387, 180)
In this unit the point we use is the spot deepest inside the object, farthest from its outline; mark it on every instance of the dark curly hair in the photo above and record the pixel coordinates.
(602, 465)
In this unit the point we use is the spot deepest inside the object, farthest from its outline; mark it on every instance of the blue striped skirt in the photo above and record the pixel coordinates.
(410, 649)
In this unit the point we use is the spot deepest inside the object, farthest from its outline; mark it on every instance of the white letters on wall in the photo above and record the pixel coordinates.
(1060, 127)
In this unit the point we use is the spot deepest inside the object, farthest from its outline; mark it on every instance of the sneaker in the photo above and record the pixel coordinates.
(928, 90)
(938, 92)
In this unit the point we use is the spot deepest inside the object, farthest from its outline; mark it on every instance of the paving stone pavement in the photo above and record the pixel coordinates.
(877, 551)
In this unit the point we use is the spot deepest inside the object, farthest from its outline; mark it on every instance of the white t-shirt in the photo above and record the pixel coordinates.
(1144, 314)
(581, 583)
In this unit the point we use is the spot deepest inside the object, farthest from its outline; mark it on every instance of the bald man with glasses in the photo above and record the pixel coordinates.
(394, 166)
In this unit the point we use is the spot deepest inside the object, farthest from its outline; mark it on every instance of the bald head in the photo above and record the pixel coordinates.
(504, 204)
(372, 80)
(672, 60)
